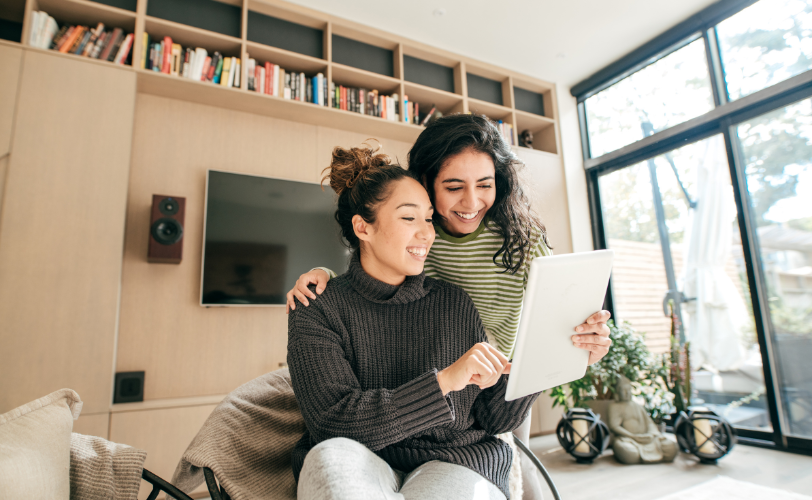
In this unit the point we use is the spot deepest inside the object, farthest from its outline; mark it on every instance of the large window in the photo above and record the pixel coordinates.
(668, 92)
(764, 44)
(715, 216)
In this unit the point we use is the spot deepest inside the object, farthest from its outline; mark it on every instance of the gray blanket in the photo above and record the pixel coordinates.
(101, 470)
(247, 442)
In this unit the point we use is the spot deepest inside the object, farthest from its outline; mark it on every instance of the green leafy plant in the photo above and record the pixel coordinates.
(628, 356)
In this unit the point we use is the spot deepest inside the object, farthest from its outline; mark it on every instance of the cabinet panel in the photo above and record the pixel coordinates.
(62, 230)
(163, 433)
(545, 185)
(10, 58)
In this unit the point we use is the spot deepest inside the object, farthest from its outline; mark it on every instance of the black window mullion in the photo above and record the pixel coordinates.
(585, 148)
(715, 68)
(598, 230)
(755, 279)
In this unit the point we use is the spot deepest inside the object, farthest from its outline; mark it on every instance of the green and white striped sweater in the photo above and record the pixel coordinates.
(468, 263)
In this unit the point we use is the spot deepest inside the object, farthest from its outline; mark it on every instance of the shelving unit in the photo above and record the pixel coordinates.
(418, 71)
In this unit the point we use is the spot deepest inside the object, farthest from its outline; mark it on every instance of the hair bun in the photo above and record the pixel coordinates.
(353, 165)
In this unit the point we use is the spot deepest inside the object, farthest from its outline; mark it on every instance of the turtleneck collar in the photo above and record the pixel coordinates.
(413, 288)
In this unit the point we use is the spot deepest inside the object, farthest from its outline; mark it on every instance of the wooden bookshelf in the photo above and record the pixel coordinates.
(499, 84)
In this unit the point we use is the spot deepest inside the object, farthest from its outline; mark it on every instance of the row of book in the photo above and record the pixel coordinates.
(507, 132)
(97, 43)
(170, 58)
(273, 80)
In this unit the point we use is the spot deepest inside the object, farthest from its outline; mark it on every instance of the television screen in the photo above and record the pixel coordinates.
(261, 234)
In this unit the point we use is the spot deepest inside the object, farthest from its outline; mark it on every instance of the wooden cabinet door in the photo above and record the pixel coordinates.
(62, 229)
(543, 180)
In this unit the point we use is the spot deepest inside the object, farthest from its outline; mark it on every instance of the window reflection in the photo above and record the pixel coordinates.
(670, 91)
(777, 150)
(700, 217)
(764, 44)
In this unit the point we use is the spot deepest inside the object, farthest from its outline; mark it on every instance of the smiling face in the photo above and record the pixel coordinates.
(464, 191)
(397, 243)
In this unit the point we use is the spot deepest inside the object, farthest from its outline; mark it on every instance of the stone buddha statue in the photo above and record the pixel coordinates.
(636, 439)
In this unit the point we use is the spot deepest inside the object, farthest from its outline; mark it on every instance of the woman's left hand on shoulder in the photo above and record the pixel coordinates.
(593, 335)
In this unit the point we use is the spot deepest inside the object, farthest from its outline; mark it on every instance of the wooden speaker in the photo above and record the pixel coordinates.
(166, 229)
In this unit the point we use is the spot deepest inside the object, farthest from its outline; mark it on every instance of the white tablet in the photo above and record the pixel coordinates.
(562, 292)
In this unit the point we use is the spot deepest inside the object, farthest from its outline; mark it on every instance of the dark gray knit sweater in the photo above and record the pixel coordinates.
(364, 359)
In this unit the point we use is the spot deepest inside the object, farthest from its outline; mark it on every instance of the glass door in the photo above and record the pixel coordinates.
(673, 224)
(776, 155)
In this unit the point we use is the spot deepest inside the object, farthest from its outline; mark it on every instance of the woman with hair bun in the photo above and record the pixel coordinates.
(486, 238)
(400, 392)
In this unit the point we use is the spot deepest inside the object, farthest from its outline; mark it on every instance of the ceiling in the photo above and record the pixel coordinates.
(561, 41)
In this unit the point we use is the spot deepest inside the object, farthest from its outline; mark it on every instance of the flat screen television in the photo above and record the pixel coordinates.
(261, 234)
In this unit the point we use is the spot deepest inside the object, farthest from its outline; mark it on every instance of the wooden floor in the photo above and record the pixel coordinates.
(607, 479)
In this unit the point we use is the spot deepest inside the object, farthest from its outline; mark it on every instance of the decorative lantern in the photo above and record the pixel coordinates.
(705, 434)
(582, 434)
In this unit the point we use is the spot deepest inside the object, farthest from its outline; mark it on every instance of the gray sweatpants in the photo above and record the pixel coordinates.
(340, 468)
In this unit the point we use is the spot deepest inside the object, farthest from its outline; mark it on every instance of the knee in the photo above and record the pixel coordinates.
(625, 452)
(669, 448)
(334, 449)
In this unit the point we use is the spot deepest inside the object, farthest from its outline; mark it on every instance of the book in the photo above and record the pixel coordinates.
(51, 28)
(232, 69)
(196, 69)
(275, 80)
(94, 39)
(204, 72)
(238, 73)
(218, 70)
(262, 77)
(124, 50)
(216, 60)
(79, 46)
(176, 61)
(429, 115)
(68, 39)
(57, 37)
(112, 47)
(266, 84)
(166, 55)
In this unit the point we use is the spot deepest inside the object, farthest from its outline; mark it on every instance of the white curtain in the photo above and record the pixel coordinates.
(716, 319)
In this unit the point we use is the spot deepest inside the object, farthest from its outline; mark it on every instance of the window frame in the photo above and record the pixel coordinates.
(723, 120)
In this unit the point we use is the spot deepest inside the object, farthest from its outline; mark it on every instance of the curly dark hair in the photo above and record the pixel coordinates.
(453, 134)
(361, 178)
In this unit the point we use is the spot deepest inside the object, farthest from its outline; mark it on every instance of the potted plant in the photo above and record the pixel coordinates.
(628, 356)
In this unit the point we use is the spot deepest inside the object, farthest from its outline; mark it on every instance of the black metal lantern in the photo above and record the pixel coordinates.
(705, 434)
(582, 434)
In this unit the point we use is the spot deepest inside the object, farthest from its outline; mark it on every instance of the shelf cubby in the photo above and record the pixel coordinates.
(130, 5)
(299, 39)
(189, 36)
(218, 16)
(446, 102)
(428, 74)
(83, 12)
(12, 14)
(279, 33)
(354, 77)
(543, 130)
(363, 51)
(287, 60)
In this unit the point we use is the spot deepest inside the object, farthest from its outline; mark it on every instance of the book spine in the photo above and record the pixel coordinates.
(268, 73)
(262, 79)
(58, 37)
(225, 71)
(166, 51)
(277, 80)
(250, 71)
(216, 60)
(204, 71)
(124, 51)
(68, 39)
(34, 37)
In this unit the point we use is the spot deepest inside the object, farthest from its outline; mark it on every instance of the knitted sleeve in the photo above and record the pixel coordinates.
(496, 415)
(332, 401)
(490, 409)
